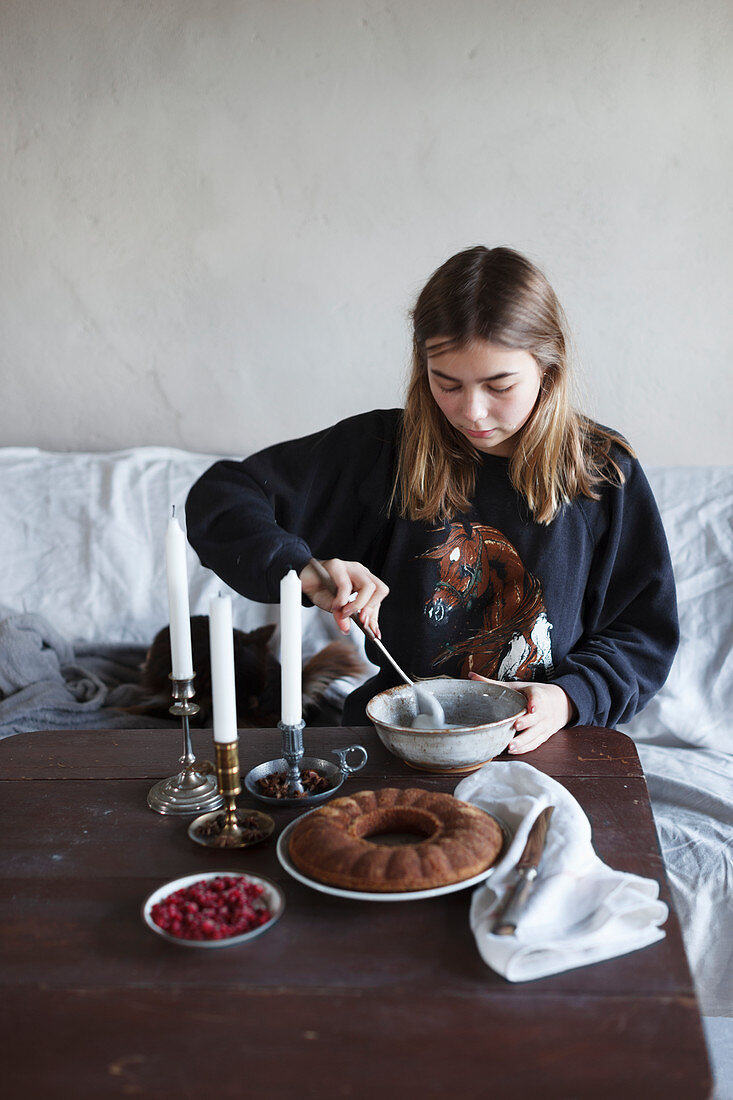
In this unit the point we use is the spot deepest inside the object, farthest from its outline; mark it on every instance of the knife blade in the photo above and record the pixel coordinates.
(507, 914)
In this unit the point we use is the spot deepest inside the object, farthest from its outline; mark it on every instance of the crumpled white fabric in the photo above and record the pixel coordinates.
(579, 911)
(692, 801)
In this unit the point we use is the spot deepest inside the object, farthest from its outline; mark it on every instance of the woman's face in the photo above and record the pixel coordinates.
(484, 390)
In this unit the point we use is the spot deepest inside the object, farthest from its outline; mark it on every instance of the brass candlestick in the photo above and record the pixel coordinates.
(193, 789)
(233, 828)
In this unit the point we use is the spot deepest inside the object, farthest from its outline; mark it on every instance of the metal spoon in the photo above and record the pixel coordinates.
(430, 713)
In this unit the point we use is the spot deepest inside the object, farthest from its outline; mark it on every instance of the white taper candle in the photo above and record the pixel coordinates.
(291, 659)
(178, 612)
(223, 692)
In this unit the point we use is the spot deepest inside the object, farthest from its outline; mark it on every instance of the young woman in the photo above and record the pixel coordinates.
(514, 538)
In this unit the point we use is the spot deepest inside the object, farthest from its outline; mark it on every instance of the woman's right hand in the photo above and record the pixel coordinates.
(351, 589)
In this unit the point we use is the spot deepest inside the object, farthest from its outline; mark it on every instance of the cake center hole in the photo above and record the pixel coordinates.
(397, 826)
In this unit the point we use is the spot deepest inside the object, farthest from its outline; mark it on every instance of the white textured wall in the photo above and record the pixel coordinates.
(216, 214)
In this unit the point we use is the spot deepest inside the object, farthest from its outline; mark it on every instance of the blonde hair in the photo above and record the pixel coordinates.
(499, 296)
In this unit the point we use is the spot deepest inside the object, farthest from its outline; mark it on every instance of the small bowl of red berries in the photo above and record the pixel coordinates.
(214, 909)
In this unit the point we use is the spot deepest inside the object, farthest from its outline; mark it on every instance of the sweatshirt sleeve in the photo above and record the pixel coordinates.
(320, 496)
(631, 630)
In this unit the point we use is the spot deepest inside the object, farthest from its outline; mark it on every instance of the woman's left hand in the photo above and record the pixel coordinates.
(549, 709)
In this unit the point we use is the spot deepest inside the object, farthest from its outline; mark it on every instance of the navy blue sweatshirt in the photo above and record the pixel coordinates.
(586, 602)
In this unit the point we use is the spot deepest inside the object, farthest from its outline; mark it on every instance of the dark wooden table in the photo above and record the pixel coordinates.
(341, 998)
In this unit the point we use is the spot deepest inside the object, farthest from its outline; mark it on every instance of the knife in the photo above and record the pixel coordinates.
(505, 917)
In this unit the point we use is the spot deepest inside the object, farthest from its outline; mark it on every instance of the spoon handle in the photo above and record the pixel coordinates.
(401, 673)
(328, 582)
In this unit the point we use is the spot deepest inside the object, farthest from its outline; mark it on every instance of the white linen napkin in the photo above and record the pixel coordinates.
(579, 911)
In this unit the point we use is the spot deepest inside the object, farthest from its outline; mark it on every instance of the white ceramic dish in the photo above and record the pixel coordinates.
(273, 895)
(481, 717)
(362, 895)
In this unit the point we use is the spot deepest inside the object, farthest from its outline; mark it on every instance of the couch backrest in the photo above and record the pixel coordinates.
(82, 542)
(694, 706)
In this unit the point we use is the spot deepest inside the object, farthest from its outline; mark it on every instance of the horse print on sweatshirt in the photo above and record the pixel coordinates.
(480, 570)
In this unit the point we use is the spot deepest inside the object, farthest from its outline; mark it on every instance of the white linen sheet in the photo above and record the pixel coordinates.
(83, 544)
(692, 801)
(685, 735)
(694, 706)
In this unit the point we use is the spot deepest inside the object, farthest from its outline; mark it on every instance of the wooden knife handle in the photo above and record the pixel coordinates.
(509, 911)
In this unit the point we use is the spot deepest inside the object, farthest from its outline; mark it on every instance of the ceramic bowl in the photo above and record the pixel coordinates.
(481, 716)
(273, 897)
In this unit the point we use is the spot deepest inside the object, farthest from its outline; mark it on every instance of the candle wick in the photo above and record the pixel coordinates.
(173, 511)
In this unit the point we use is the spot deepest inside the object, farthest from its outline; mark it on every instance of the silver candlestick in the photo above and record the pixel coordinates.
(290, 768)
(193, 789)
(292, 743)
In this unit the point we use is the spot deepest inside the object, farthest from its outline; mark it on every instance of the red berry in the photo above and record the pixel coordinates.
(212, 910)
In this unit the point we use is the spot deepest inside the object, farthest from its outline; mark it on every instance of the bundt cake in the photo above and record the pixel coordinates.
(336, 844)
